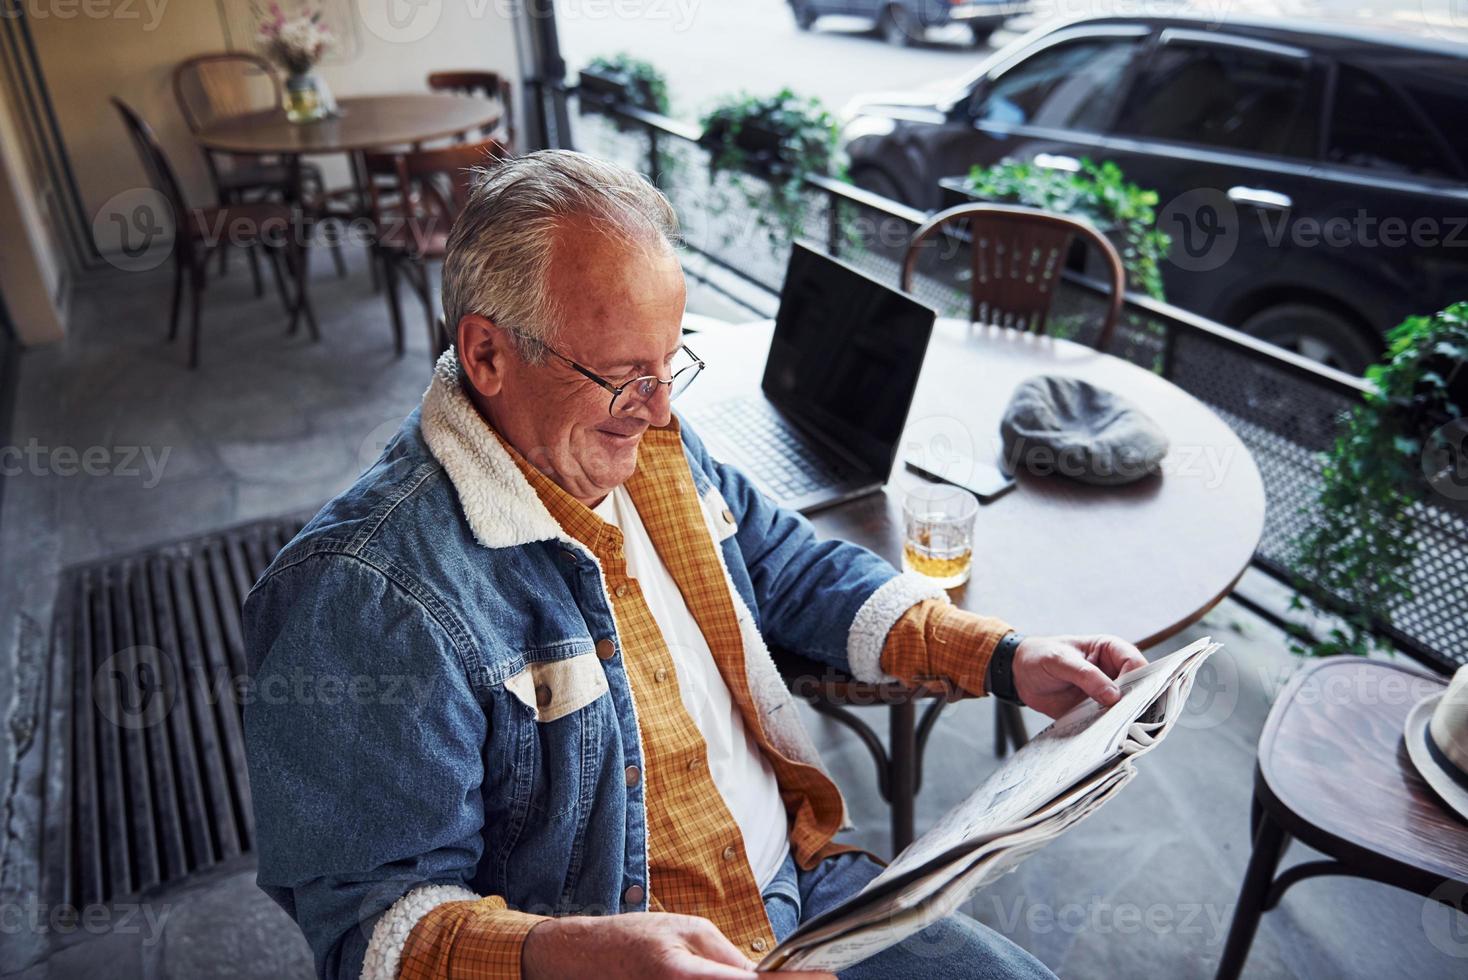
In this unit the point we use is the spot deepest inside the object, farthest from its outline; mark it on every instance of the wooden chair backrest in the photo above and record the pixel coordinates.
(1017, 255)
(434, 183)
(210, 87)
(491, 85)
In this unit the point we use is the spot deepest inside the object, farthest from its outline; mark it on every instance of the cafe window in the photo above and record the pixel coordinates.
(1232, 98)
(1068, 86)
(1374, 128)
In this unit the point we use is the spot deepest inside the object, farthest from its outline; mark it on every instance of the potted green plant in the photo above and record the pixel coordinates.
(1122, 211)
(1361, 543)
(766, 147)
(622, 81)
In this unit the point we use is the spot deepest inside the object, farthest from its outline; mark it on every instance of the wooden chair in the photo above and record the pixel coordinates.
(1017, 255)
(489, 84)
(250, 224)
(412, 213)
(216, 86)
(1333, 773)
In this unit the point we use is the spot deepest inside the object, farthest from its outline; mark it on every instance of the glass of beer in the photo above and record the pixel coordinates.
(939, 537)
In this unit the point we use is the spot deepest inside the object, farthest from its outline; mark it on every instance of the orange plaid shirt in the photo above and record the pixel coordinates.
(696, 856)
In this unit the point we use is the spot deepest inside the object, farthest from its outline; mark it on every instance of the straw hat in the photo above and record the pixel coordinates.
(1437, 742)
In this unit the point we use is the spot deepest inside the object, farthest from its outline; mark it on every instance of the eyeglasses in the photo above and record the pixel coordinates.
(630, 396)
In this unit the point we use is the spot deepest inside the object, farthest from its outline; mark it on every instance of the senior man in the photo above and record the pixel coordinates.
(557, 746)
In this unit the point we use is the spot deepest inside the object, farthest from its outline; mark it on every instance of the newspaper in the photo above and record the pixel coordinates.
(1061, 777)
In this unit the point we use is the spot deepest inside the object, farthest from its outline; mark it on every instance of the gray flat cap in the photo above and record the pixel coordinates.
(1065, 426)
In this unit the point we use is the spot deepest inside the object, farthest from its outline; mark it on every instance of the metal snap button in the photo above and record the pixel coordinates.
(606, 649)
(633, 895)
(542, 694)
(632, 774)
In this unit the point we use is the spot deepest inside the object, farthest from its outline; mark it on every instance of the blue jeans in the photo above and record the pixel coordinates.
(957, 948)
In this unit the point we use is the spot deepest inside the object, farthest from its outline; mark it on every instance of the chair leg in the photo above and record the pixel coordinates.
(335, 241)
(255, 271)
(196, 293)
(178, 283)
(1269, 846)
(303, 301)
(1009, 728)
(394, 301)
(902, 744)
(273, 254)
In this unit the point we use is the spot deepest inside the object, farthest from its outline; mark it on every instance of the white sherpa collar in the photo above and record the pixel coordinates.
(502, 508)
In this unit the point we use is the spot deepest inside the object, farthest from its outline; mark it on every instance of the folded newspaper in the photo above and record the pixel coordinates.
(1061, 777)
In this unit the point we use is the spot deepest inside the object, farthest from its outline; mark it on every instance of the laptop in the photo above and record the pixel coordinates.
(838, 384)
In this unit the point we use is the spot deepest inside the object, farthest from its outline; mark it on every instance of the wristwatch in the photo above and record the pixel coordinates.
(999, 681)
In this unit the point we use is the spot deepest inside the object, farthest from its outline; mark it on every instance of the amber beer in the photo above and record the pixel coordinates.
(939, 539)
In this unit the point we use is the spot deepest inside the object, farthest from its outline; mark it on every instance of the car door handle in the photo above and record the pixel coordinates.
(1258, 197)
(1056, 161)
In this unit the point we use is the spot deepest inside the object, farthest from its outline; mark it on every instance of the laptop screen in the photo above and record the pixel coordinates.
(846, 356)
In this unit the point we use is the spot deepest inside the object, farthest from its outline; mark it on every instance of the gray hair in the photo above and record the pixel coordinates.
(499, 250)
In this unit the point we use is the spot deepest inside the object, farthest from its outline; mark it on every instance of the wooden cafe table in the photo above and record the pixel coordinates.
(1052, 556)
(364, 122)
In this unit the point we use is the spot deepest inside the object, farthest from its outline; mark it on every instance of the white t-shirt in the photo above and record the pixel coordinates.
(743, 775)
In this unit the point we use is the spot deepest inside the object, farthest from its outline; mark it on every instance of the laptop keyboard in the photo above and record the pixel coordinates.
(770, 450)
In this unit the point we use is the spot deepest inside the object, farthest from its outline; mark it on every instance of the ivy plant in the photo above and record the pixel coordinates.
(646, 87)
(781, 140)
(1360, 544)
(1099, 192)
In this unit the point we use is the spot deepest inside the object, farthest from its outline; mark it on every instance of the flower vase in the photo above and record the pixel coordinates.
(306, 98)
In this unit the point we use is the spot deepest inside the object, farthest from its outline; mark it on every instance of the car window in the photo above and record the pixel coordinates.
(1073, 85)
(1371, 126)
(1229, 97)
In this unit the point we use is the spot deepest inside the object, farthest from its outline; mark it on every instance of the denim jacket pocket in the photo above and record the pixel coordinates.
(552, 689)
(718, 514)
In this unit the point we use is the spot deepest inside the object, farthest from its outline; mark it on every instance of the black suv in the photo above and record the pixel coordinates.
(1312, 175)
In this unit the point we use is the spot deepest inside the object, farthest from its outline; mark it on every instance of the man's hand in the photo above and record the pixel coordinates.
(1055, 673)
(636, 945)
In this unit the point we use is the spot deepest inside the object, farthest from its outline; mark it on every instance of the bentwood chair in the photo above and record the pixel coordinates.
(252, 225)
(1016, 257)
(219, 85)
(414, 198)
(488, 84)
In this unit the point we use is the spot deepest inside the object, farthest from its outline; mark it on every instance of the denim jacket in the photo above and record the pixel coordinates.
(397, 756)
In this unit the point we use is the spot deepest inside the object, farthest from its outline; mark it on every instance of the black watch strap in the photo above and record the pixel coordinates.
(1000, 677)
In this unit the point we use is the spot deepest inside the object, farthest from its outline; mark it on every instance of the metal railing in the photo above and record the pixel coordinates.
(1284, 407)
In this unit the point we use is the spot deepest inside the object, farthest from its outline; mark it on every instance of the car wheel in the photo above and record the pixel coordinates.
(1316, 333)
(982, 33)
(804, 16)
(898, 26)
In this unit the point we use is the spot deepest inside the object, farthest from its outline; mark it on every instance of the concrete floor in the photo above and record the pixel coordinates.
(271, 425)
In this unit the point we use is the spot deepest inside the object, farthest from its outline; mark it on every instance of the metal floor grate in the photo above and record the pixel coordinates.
(145, 780)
